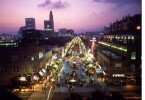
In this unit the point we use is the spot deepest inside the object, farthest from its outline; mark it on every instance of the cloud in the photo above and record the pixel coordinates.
(60, 4)
(55, 5)
(46, 3)
(121, 2)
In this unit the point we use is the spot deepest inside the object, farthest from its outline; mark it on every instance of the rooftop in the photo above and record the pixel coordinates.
(112, 55)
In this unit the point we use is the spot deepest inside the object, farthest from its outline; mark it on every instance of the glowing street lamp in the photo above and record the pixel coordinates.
(33, 59)
(138, 27)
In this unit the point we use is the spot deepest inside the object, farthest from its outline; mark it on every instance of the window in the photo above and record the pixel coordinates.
(28, 58)
(25, 69)
(125, 40)
(17, 69)
(133, 55)
(118, 65)
(1, 69)
(24, 58)
(14, 57)
(132, 67)
(5, 69)
(14, 69)
(47, 26)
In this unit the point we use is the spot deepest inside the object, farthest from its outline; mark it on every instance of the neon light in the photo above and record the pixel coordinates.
(113, 46)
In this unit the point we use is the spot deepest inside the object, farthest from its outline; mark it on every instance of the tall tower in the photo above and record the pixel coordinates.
(49, 26)
(30, 23)
(51, 21)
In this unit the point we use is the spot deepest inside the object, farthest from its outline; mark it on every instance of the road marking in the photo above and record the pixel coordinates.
(49, 93)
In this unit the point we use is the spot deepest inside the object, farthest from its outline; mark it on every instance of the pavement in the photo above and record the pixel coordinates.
(60, 96)
(23, 95)
(40, 93)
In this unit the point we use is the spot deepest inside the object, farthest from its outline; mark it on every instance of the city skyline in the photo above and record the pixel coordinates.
(82, 15)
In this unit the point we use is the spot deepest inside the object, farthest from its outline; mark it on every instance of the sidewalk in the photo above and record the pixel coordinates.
(39, 94)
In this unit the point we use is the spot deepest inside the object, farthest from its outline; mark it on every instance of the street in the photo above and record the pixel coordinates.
(74, 73)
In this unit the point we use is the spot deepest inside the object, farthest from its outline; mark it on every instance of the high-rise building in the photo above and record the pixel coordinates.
(46, 25)
(30, 23)
(51, 21)
(49, 24)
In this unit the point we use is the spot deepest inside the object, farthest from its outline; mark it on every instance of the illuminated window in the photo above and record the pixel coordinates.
(133, 55)
(47, 26)
(129, 37)
(132, 37)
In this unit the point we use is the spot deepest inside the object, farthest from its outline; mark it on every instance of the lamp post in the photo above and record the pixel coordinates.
(33, 59)
(34, 69)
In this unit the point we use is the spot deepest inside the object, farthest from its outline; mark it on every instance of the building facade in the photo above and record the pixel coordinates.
(49, 26)
(30, 23)
(32, 34)
(51, 21)
(7, 40)
(63, 32)
(119, 51)
(15, 61)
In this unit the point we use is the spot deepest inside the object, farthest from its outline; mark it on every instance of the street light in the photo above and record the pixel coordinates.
(34, 69)
(33, 59)
(138, 27)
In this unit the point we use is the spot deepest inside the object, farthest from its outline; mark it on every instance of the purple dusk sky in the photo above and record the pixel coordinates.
(80, 15)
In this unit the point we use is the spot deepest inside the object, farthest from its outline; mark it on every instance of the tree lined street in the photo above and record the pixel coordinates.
(74, 75)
